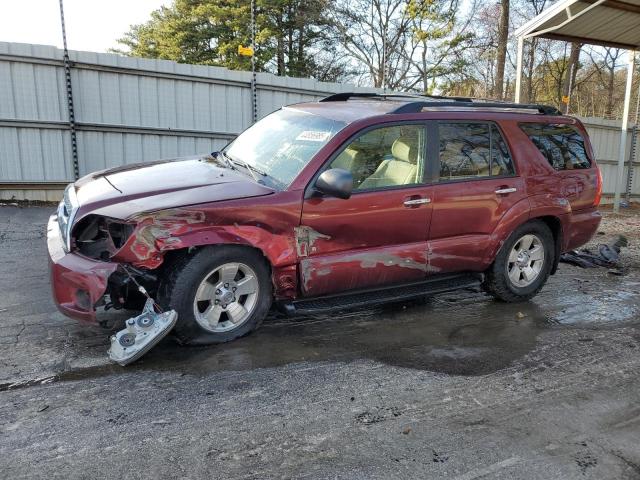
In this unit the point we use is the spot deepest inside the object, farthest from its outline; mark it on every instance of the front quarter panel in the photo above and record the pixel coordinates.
(265, 223)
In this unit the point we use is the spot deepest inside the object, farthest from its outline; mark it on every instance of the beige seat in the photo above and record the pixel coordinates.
(347, 159)
(354, 161)
(401, 170)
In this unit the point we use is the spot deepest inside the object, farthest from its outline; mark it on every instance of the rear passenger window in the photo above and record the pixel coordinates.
(562, 145)
(472, 150)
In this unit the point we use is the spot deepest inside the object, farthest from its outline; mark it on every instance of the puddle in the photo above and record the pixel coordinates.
(467, 333)
(603, 303)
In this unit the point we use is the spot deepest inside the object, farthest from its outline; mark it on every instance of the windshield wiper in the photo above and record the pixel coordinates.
(226, 159)
(250, 168)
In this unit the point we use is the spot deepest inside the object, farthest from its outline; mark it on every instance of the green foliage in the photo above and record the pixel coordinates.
(208, 32)
(434, 19)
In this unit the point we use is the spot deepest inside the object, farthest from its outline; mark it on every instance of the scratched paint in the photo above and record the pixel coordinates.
(306, 237)
(378, 261)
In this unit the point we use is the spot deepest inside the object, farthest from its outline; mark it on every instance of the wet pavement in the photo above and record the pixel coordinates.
(457, 386)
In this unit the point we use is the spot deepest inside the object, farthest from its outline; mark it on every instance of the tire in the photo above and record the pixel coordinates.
(190, 287)
(511, 276)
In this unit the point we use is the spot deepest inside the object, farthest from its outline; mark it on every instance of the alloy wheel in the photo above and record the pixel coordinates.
(226, 297)
(525, 260)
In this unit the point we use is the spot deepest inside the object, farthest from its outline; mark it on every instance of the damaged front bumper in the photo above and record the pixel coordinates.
(78, 283)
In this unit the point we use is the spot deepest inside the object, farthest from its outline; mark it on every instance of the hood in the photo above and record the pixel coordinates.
(131, 189)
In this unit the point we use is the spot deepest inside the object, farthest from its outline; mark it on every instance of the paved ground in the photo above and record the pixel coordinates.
(461, 387)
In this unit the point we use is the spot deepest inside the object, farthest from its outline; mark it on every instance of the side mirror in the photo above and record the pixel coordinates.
(335, 182)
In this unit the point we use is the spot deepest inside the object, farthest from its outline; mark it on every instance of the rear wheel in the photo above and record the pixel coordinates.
(221, 293)
(523, 264)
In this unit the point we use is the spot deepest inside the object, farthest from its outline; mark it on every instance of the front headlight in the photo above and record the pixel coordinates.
(66, 214)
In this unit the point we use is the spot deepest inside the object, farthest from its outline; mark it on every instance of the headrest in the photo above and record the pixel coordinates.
(350, 152)
(405, 149)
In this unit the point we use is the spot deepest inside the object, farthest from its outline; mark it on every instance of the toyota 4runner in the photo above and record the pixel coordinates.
(348, 201)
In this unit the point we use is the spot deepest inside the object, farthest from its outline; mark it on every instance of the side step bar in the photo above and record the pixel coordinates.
(394, 293)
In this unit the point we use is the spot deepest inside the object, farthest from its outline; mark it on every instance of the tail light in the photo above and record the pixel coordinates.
(596, 201)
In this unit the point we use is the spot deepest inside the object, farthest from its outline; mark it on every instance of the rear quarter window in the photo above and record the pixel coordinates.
(562, 145)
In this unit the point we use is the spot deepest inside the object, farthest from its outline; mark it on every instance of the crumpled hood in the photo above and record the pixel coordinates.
(125, 191)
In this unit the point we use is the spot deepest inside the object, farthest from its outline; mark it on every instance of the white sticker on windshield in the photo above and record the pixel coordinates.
(313, 136)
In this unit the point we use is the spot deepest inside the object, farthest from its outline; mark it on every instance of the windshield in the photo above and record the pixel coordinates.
(282, 144)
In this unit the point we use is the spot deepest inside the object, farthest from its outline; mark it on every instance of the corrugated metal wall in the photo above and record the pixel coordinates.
(130, 110)
(127, 110)
(605, 137)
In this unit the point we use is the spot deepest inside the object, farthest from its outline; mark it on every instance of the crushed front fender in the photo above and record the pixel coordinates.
(77, 283)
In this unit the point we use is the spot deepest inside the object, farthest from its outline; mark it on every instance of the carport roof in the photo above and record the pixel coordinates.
(610, 23)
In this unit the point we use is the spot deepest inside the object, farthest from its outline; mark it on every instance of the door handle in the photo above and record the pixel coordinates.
(504, 191)
(416, 201)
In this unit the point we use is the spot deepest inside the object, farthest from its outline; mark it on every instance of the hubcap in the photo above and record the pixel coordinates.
(226, 297)
(525, 261)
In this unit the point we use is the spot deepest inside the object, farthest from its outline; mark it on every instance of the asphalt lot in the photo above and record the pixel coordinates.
(459, 387)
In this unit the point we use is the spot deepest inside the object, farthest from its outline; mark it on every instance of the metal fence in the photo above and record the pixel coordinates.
(129, 110)
(605, 137)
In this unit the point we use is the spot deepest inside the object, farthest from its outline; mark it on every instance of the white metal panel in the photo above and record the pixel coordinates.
(10, 157)
(114, 96)
(612, 22)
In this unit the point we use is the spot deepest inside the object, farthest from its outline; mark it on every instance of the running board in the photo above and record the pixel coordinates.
(394, 293)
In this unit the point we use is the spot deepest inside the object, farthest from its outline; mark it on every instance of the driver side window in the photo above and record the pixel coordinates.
(384, 157)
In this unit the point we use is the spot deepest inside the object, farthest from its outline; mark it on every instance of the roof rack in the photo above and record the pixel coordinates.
(415, 107)
(420, 102)
(344, 96)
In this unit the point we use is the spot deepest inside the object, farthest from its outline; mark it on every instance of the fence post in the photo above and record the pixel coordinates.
(254, 87)
(72, 118)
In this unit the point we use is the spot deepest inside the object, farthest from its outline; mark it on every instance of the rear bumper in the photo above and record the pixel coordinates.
(581, 227)
(77, 283)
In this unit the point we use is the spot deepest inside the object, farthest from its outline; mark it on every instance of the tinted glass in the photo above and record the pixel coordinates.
(384, 157)
(501, 163)
(281, 144)
(472, 150)
(561, 145)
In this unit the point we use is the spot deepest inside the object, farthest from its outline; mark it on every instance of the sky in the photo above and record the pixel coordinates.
(92, 25)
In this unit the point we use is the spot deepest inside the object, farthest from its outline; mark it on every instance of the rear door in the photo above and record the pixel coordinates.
(474, 186)
(379, 235)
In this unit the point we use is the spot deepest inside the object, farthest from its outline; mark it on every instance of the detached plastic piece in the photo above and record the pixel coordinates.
(141, 334)
(607, 256)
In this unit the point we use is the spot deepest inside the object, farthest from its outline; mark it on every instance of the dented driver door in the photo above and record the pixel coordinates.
(379, 235)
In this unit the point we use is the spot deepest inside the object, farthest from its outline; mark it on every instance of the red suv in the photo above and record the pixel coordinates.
(349, 201)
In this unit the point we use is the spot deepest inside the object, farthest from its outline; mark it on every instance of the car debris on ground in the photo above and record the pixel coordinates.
(605, 255)
(141, 333)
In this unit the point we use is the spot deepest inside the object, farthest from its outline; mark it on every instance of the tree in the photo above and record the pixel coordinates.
(606, 62)
(501, 54)
(401, 44)
(437, 41)
(290, 35)
(572, 72)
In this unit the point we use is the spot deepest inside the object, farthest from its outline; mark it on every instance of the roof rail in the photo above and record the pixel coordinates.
(415, 107)
(421, 101)
(344, 96)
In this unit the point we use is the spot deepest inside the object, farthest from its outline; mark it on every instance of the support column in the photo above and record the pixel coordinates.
(519, 68)
(623, 133)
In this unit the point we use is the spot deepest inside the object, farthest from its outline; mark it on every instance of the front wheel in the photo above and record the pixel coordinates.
(221, 293)
(523, 264)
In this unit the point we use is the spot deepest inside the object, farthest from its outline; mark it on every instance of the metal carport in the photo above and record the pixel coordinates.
(609, 23)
